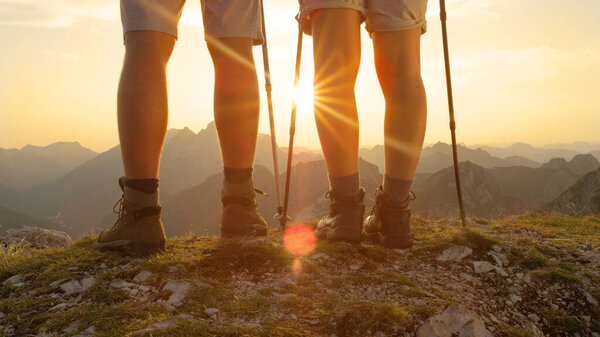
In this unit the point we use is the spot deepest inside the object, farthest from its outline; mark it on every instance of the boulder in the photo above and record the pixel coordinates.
(180, 290)
(482, 267)
(142, 276)
(76, 286)
(455, 253)
(455, 320)
(14, 281)
(37, 237)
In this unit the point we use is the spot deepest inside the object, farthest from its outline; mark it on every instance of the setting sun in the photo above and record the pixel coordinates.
(304, 94)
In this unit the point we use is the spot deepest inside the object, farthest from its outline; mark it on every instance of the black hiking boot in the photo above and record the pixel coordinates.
(240, 218)
(344, 221)
(389, 222)
(138, 230)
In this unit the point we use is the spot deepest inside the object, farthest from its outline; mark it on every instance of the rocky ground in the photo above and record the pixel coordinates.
(531, 275)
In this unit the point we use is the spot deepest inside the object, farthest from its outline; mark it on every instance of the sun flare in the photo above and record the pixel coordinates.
(304, 94)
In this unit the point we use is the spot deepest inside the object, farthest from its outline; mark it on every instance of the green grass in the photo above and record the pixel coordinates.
(534, 261)
(517, 332)
(560, 276)
(566, 324)
(358, 318)
(326, 291)
(474, 238)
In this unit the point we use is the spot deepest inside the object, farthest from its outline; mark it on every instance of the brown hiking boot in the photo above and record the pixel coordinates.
(137, 231)
(240, 218)
(389, 222)
(344, 221)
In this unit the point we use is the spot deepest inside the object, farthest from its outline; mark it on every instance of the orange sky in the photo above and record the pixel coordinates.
(523, 71)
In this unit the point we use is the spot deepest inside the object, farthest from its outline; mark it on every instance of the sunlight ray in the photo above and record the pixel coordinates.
(331, 112)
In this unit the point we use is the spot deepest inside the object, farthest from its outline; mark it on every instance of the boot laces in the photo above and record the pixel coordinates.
(119, 209)
(410, 197)
(333, 206)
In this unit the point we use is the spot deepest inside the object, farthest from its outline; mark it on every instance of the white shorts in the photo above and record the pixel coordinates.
(222, 18)
(380, 15)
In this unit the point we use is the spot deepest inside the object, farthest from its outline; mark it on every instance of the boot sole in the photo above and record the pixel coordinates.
(135, 248)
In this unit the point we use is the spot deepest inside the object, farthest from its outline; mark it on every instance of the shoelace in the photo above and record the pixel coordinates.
(333, 207)
(121, 211)
(410, 197)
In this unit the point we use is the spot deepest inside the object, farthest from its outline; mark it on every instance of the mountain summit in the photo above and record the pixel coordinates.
(530, 275)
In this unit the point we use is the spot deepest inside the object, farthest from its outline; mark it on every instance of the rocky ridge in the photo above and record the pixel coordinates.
(531, 275)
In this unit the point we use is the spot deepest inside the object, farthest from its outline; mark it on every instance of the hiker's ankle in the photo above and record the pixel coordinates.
(141, 192)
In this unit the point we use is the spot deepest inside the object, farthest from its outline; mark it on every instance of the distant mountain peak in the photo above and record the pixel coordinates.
(521, 145)
(584, 157)
(211, 126)
(555, 163)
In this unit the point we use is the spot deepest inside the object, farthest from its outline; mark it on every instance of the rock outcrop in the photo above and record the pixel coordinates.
(36, 237)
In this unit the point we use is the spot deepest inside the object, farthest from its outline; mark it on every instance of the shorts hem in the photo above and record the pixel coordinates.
(133, 27)
(303, 17)
(257, 39)
(396, 27)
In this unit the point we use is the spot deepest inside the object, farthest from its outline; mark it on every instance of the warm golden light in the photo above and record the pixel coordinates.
(304, 95)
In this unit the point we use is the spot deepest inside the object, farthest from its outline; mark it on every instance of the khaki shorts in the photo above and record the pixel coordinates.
(222, 18)
(380, 15)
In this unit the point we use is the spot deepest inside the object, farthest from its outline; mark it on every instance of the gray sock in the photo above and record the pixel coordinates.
(140, 198)
(243, 189)
(397, 189)
(347, 186)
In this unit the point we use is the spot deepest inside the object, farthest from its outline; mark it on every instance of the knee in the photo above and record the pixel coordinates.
(232, 57)
(336, 75)
(400, 81)
(149, 47)
(235, 72)
(395, 76)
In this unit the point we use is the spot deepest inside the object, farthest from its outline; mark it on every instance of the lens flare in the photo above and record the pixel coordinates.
(296, 266)
(299, 239)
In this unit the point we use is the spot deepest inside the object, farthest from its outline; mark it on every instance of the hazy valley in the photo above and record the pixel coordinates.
(66, 186)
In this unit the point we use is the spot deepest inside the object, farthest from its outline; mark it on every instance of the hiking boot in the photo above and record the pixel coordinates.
(138, 230)
(389, 222)
(240, 218)
(344, 221)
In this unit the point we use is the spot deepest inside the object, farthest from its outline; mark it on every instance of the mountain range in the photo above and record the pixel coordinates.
(539, 154)
(439, 156)
(582, 197)
(34, 165)
(494, 192)
(79, 188)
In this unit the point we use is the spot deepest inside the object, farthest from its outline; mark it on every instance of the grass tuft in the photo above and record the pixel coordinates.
(361, 318)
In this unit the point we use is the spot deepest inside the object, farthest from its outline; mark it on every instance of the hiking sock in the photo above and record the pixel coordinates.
(141, 192)
(347, 186)
(396, 189)
(243, 189)
(236, 175)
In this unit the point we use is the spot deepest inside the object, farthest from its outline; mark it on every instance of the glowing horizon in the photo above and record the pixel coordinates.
(524, 75)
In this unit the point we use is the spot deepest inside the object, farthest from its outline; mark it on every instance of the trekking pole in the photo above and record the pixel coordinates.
(268, 88)
(451, 111)
(284, 216)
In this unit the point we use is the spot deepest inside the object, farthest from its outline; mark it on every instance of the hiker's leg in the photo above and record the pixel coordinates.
(236, 100)
(336, 40)
(142, 102)
(397, 61)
